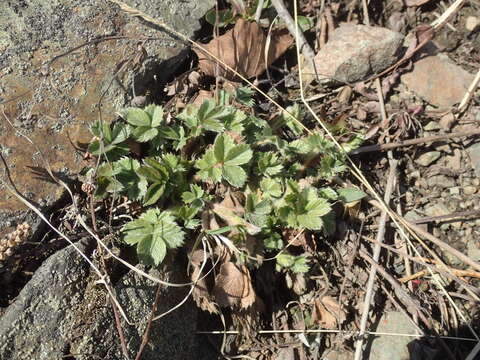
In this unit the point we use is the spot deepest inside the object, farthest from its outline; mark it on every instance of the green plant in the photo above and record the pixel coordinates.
(216, 169)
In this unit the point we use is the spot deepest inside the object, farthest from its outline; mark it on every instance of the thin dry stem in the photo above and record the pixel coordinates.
(376, 255)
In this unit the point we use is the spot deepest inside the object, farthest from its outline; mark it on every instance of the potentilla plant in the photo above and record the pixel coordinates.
(216, 170)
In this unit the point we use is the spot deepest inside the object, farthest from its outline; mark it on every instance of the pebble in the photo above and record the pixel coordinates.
(355, 52)
(443, 87)
(392, 347)
(472, 23)
(455, 190)
(432, 125)
(427, 158)
(469, 190)
(441, 181)
(474, 153)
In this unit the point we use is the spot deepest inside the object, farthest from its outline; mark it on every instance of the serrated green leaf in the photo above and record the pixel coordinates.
(120, 133)
(244, 96)
(189, 115)
(271, 188)
(328, 193)
(157, 116)
(269, 164)
(137, 117)
(154, 193)
(126, 173)
(352, 194)
(208, 167)
(309, 221)
(144, 133)
(235, 175)
(153, 233)
(238, 155)
(223, 144)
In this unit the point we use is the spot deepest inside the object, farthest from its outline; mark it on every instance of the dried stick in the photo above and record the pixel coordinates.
(469, 94)
(258, 12)
(376, 256)
(401, 293)
(457, 216)
(383, 147)
(292, 27)
(457, 272)
(441, 244)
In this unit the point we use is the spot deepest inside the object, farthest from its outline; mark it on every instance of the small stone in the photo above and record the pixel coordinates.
(454, 190)
(443, 147)
(438, 209)
(392, 347)
(471, 23)
(447, 121)
(473, 250)
(443, 87)
(440, 181)
(454, 162)
(355, 52)
(475, 182)
(474, 153)
(427, 158)
(469, 190)
(432, 125)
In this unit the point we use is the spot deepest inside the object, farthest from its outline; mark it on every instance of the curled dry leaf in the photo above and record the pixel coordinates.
(200, 293)
(243, 49)
(328, 313)
(233, 286)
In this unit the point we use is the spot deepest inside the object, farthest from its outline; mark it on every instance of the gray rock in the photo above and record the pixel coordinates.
(428, 158)
(61, 312)
(392, 347)
(474, 153)
(64, 97)
(357, 51)
(38, 324)
(441, 181)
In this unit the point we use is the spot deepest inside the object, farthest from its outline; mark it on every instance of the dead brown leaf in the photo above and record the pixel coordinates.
(243, 49)
(328, 313)
(231, 211)
(233, 286)
(202, 96)
(200, 293)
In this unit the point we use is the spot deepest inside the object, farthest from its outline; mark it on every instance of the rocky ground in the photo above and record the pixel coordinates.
(50, 304)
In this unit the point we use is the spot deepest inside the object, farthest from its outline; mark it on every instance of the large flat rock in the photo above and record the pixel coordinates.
(65, 98)
(61, 313)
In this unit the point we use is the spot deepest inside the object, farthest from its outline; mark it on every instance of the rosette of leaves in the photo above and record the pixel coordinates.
(212, 117)
(122, 177)
(153, 233)
(165, 175)
(109, 141)
(224, 160)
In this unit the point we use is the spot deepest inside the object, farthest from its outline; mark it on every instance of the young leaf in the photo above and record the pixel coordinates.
(208, 167)
(136, 117)
(269, 164)
(153, 233)
(348, 195)
(244, 96)
(271, 188)
(235, 175)
(126, 171)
